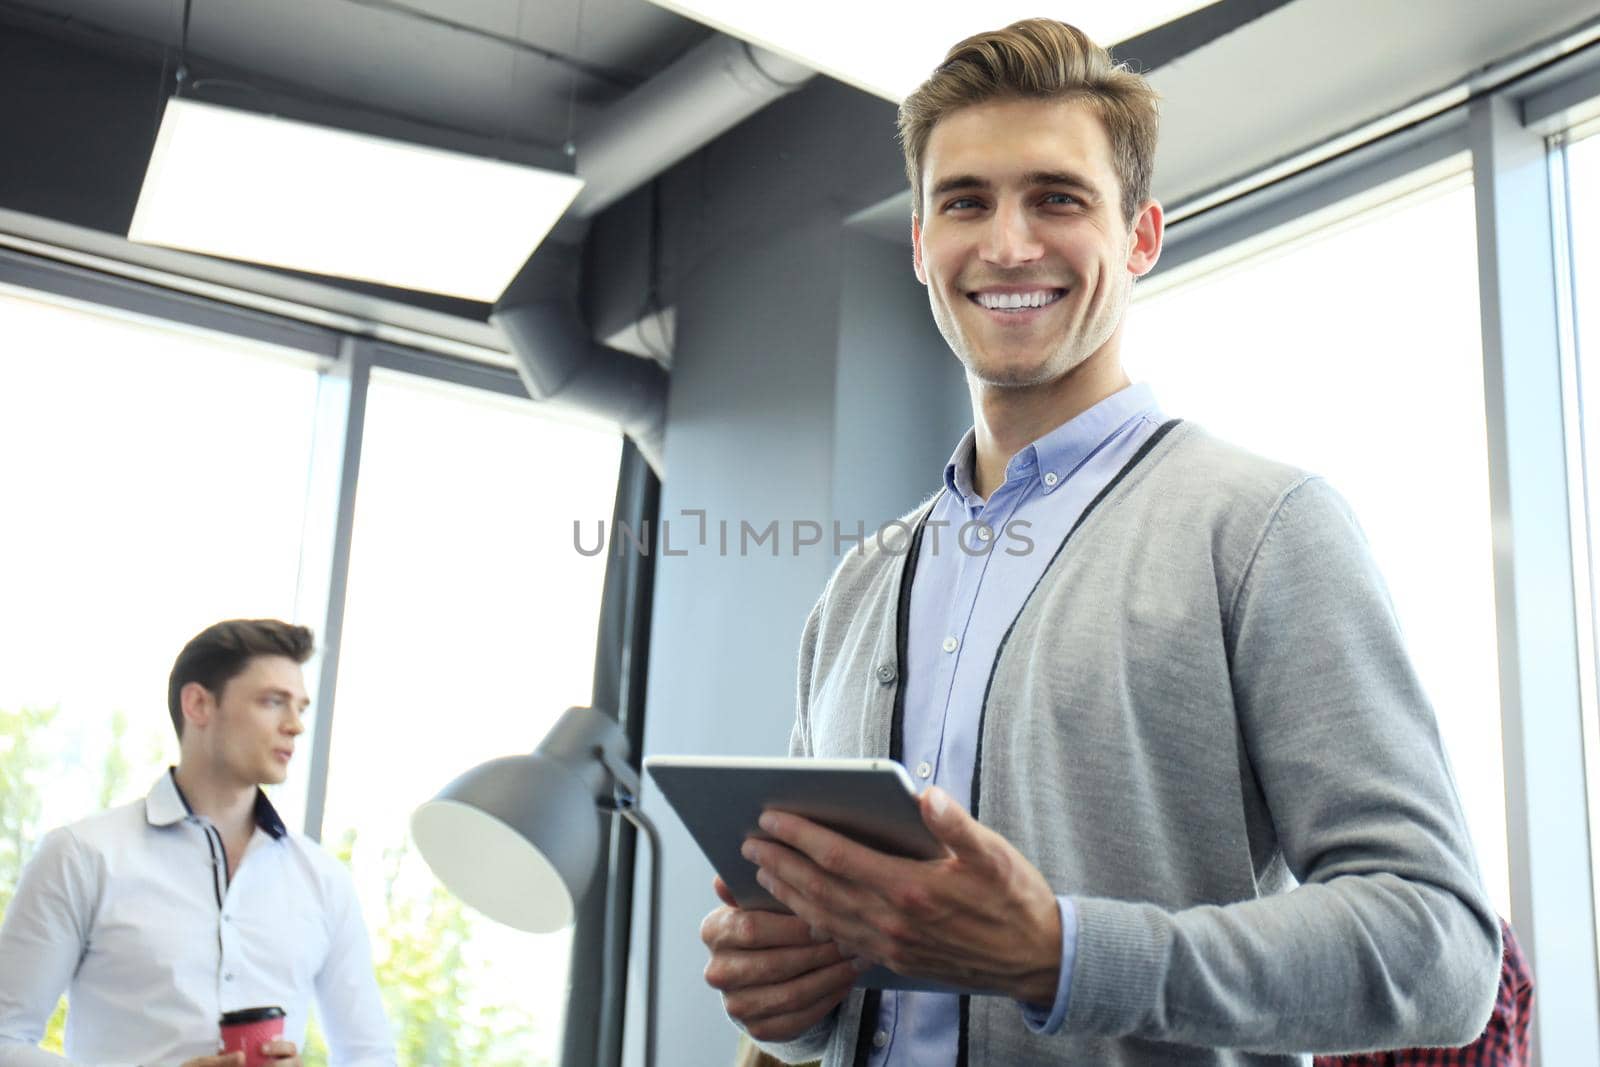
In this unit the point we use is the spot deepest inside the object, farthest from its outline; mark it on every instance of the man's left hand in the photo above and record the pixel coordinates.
(281, 1053)
(982, 917)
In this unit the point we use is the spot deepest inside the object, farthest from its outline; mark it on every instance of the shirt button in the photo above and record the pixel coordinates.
(880, 1039)
(950, 644)
(984, 533)
(227, 978)
(1050, 478)
(924, 769)
(227, 918)
(886, 673)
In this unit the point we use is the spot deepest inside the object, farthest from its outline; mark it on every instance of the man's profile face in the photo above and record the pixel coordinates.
(1021, 240)
(257, 719)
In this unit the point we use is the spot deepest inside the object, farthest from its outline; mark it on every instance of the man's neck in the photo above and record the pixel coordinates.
(1006, 420)
(230, 806)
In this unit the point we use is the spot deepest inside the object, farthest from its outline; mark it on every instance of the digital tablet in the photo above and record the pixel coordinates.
(720, 799)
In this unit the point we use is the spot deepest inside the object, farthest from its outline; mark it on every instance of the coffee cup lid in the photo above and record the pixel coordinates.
(251, 1015)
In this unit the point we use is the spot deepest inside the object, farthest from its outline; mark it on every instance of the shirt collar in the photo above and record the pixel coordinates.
(1059, 452)
(165, 805)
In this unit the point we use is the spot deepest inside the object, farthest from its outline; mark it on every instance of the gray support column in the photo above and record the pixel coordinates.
(750, 438)
(1548, 833)
(325, 569)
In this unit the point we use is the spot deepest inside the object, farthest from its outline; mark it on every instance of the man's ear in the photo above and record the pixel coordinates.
(916, 250)
(197, 704)
(1149, 229)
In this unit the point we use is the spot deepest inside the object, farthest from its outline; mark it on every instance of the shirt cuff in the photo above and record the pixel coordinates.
(1038, 1019)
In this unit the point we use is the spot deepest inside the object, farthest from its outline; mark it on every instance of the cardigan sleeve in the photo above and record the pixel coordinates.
(1389, 939)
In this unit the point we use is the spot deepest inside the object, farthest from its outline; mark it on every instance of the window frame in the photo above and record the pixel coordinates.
(345, 360)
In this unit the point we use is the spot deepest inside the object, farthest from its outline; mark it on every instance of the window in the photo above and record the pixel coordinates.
(1354, 352)
(470, 625)
(1581, 156)
(153, 482)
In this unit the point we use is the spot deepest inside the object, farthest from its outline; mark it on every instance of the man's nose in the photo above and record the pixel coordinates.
(295, 724)
(1009, 240)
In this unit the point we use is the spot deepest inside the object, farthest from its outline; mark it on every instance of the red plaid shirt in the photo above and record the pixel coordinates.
(1504, 1043)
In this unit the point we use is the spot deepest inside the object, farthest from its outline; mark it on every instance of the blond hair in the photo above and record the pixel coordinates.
(1039, 59)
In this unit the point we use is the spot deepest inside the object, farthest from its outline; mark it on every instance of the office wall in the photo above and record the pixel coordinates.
(808, 384)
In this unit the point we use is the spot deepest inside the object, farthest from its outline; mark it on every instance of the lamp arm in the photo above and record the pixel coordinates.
(625, 803)
(625, 775)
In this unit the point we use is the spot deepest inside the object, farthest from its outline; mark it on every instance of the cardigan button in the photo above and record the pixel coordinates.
(886, 673)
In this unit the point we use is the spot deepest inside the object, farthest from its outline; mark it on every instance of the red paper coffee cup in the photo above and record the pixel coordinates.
(248, 1029)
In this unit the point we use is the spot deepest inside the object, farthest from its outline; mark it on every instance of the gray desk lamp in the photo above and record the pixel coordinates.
(517, 839)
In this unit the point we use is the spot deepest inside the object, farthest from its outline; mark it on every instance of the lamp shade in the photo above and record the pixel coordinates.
(518, 838)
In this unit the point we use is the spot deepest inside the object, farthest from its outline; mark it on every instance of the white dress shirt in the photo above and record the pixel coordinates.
(132, 913)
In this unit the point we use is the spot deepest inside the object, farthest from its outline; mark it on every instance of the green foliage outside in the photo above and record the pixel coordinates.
(437, 1011)
(22, 765)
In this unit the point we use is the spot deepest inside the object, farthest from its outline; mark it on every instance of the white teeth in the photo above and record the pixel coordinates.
(1012, 301)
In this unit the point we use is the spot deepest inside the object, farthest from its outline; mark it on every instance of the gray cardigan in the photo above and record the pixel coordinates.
(1204, 727)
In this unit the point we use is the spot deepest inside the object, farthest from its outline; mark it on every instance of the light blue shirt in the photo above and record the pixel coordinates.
(978, 563)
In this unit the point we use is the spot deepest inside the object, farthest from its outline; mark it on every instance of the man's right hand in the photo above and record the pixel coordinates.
(226, 1059)
(777, 980)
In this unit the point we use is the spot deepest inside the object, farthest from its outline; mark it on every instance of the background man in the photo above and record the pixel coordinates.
(158, 916)
(1195, 801)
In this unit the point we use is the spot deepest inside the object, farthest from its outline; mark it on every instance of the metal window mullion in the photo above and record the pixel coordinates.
(356, 362)
(1579, 441)
(1537, 625)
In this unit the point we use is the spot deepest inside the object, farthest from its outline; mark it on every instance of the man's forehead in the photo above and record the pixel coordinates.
(1011, 140)
(274, 672)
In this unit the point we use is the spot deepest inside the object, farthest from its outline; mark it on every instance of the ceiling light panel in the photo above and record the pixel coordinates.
(312, 198)
(887, 47)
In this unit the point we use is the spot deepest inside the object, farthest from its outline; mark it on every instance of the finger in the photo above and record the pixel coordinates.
(833, 852)
(824, 891)
(797, 995)
(949, 822)
(793, 1024)
(279, 1047)
(724, 894)
(850, 927)
(736, 969)
(738, 928)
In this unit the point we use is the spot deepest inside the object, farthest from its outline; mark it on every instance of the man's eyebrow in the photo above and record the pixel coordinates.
(960, 182)
(1061, 177)
(972, 182)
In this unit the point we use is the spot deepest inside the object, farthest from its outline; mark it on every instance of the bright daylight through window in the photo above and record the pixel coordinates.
(154, 483)
(470, 626)
(1359, 363)
(1582, 159)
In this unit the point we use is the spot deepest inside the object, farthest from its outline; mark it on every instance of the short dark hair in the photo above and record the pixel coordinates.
(222, 651)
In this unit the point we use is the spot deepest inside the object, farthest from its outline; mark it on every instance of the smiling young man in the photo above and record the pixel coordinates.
(1195, 802)
(157, 917)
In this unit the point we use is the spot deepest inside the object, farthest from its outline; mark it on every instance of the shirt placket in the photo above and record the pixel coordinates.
(976, 551)
(229, 954)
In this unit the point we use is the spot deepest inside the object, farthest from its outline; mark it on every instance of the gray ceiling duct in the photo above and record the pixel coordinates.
(709, 90)
(559, 361)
